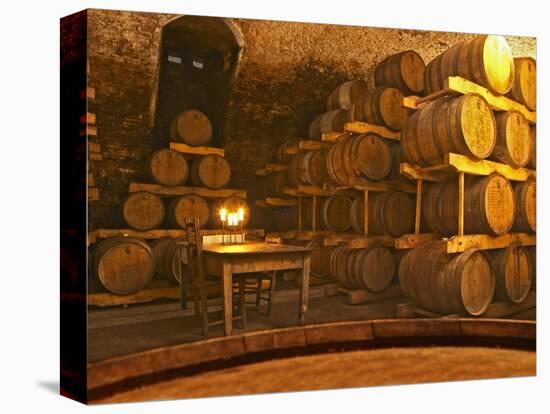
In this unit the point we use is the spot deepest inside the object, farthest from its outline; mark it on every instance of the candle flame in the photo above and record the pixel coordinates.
(223, 214)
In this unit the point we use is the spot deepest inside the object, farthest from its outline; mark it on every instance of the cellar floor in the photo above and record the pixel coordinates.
(119, 331)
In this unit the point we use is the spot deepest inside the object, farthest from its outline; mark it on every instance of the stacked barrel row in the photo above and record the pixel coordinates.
(466, 283)
(126, 265)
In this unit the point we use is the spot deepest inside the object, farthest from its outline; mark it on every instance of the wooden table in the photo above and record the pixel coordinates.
(225, 260)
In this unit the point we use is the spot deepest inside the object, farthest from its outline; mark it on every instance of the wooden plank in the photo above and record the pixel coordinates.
(276, 202)
(270, 168)
(331, 289)
(308, 191)
(91, 180)
(410, 241)
(307, 235)
(503, 309)
(362, 184)
(356, 297)
(499, 103)
(334, 136)
(88, 118)
(158, 233)
(180, 191)
(356, 241)
(143, 296)
(93, 194)
(201, 150)
(457, 84)
(414, 172)
(95, 156)
(88, 93)
(364, 128)
(458, 244)
(461, 163)
(90, 131)
(94, 147)
(309, 145)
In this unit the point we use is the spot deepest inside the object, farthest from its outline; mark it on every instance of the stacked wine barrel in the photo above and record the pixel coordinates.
(466, 283)
(125, 265)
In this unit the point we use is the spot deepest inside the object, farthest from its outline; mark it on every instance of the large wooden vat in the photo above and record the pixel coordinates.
(513, 144)
(404, 71)
(331, 121)
(390, 213)
(513, 273)
(524, 89)
(445, 283)
(143, 210)
(489, 206)
(273, 185)
(168, 167)
(464, 125)
(345, 95)
(371, 268)
(123, 265)
(192, 127)
(367, 156)
(210, 171)
(486, 60)
(526, 206)
(188, 206)
(381, 106)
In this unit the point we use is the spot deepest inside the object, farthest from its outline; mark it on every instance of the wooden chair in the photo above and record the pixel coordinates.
(255, 282)
(198, 282)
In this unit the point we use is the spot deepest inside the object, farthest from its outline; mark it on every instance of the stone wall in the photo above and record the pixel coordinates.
(287, 70)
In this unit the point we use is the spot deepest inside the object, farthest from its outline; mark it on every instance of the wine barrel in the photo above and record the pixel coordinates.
(346, 94)
(331, 121)
(486, 60)
(526, 207)
(371, 268)
(168, 167)
(390, 213)
(279, 219)
(397, 157)
(447, 283)
(464, 125)
(188, 206)
(334, 213)
(533, 158)
(231, 204)
(513, 273)
(309, 168)
(381, 106)
(524, 89)
(192, 127)
(489, 206)
(404, 71)
(165, 252)
(123, 265)
(143, 210)
(366, 155)
(210, 171)
(513, 144)
(282, 155)
(273, 185)
(320, 256)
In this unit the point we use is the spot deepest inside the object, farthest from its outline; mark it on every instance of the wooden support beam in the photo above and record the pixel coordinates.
(503, 309)
(307, 235)
(362, 184)
(458, 244)
(202, 150)
(88, 93)
(93, 194)
(90, 131)
(94, 147)
(95, 156)
(359, 296)
(356, 241)
(300, 213)
(143, 296)
(270, 168)
(88, 118)
(410, 241)
(366, 213)
(314, 213)
(276, 202)
(181, 191)
(364, 128)
(334, 136)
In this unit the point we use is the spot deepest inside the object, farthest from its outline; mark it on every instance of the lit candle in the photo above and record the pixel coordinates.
(223, 214)
(241, 214)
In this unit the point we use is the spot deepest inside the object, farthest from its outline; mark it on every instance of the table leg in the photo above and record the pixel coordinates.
(227, 288)
(304, 290)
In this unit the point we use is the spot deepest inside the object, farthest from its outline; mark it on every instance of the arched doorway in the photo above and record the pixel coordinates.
(199, 58)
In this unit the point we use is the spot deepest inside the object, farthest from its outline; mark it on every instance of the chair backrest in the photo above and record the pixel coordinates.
(194, 249)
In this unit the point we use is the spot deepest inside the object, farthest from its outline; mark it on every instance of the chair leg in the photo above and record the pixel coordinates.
(204, 306)
(271, 290)
(258, 294)
(242, 301)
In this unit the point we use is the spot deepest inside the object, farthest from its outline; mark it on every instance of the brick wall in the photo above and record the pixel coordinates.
(286, 72)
